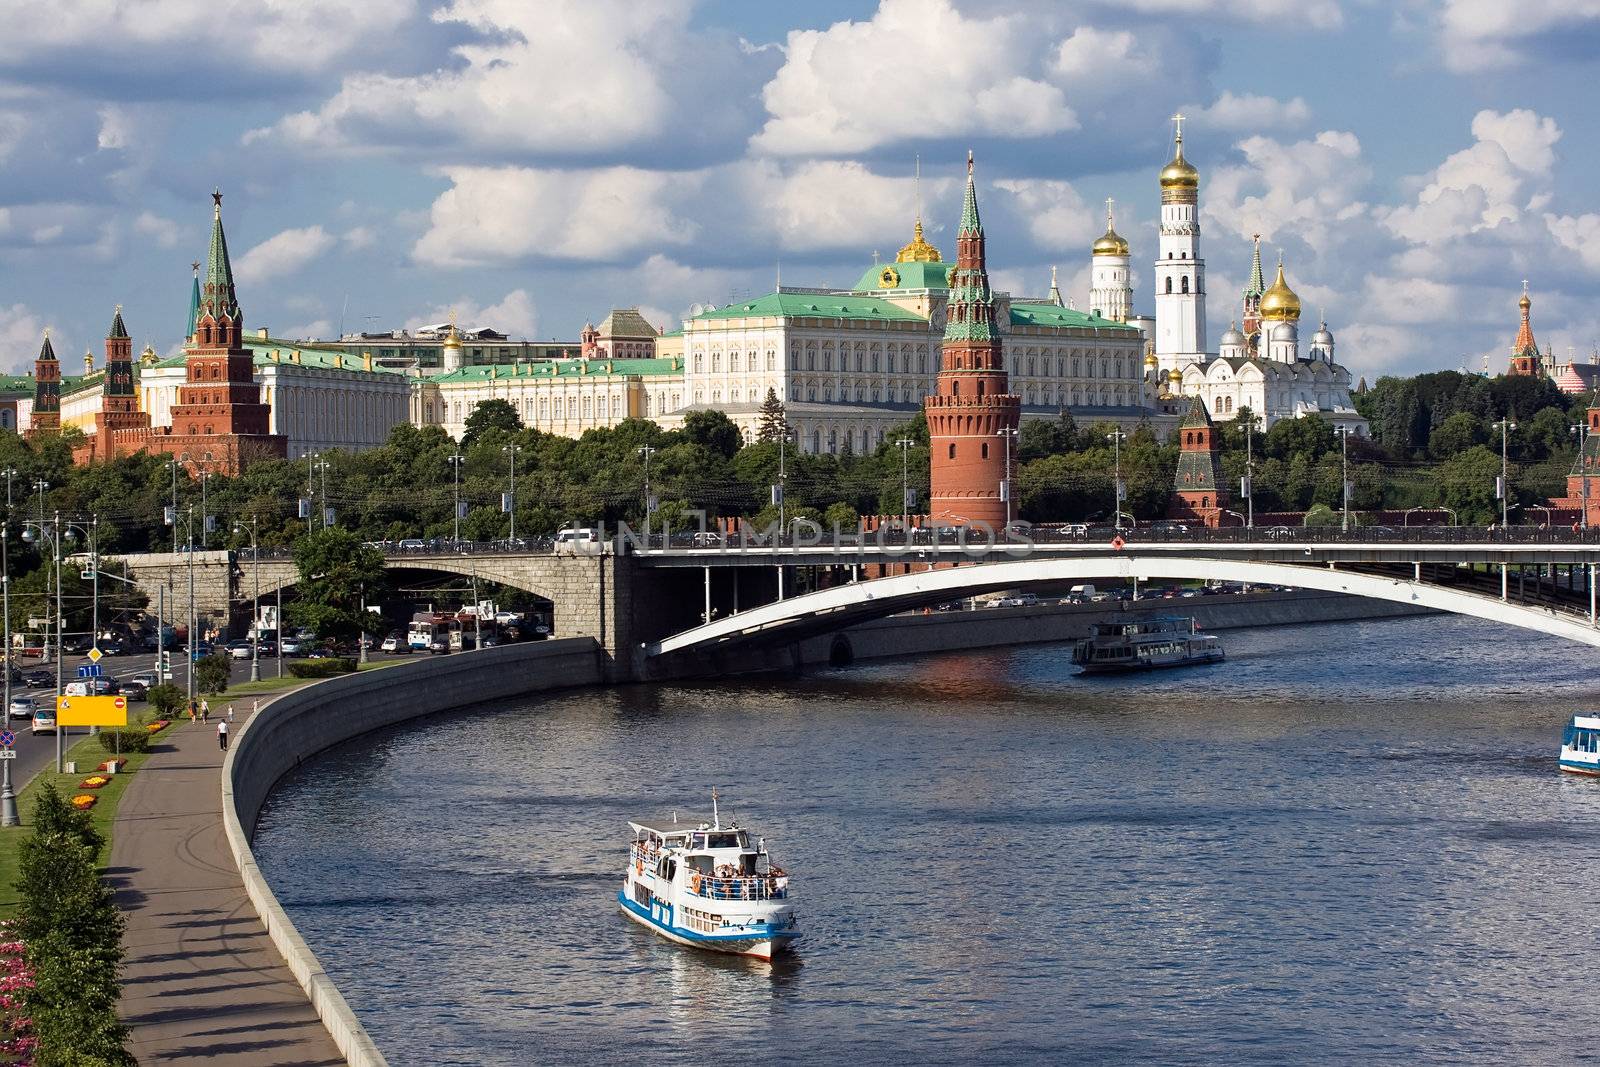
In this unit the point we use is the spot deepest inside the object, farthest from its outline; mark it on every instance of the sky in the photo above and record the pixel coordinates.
(530, 164)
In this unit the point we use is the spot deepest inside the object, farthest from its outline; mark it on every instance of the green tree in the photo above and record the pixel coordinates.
(1455, 435)
(774, 423)
(714, 431)
(166, 699)
(492, 414)
(1466, 484)
(841, 515)
(211, 674)
(337, 574)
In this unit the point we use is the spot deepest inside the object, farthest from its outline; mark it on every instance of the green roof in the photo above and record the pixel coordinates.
(558, 368)
(311, 355)
(1051, 315)
(813, 305)
(915, 275)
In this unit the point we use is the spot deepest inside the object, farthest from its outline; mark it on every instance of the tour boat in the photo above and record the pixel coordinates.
(703, 884)
(1580, 746)
(1145, 644)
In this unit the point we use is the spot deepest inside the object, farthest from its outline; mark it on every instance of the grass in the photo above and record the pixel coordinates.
(279, 685)
(88, 754)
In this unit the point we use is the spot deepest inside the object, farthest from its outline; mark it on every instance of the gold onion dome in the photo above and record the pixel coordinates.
(1180, 173)
(1279, 303)
(918, 251)
(1111, 243)
(1150, 359)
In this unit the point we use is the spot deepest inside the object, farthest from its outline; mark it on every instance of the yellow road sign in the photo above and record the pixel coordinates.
(95, 654)
(92, 711)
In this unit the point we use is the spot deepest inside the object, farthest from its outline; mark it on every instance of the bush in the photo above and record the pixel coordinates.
(327, 667)
(167, 699)
(211, 674)
(125, 740)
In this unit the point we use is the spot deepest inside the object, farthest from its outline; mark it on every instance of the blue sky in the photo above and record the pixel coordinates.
(532, 163)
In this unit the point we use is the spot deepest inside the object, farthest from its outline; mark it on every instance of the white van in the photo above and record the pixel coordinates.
(1080, 594)
(578, 541)
(77, 689)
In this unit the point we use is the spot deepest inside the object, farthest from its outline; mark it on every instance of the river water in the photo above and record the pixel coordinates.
(1348, 843)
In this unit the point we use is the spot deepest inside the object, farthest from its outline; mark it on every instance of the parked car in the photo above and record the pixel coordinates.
(240, 649)
(40, 679)
(22, 708)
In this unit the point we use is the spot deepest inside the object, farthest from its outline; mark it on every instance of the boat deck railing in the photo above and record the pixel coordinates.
(719, 887)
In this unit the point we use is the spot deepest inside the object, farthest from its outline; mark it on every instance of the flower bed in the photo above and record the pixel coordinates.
(94, 781)
(16, 979)
(158, 725)
(111, 766)
(83, 800)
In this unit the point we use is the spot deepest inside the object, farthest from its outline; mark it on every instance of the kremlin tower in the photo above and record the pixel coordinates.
(1525, 358)
(1110, 277)
(1180, 274)
(46, 418)
(1198, 492)
(971, 408)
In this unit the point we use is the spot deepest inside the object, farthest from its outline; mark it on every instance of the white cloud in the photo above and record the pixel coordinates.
(1250, 113)
(1579, 234)
(857, 85)
(1309, 190)
(1056, 216)
(320, 329)
(1410, 301)
(282, 253)
(1483, 34)
(359, 237)
(13, 127)
(1091, 55)
(828, 204)
(163, 231)
(505, 214)
(21, 333)
(116, 129)
(515, 314)
(312, 31)
(1313, 14)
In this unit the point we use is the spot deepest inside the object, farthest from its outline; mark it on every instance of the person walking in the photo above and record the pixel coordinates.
(222, 734)
(194, 712)
(230, 712)
(205, 710)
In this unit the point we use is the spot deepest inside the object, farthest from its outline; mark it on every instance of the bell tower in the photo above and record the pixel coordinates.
(972, 404)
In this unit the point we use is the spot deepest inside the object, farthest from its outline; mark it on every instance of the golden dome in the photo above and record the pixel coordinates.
(1180, 173)
(918, 251)
(1111, 243)
(1279, 303)
(1175, 376)
(1150, 359)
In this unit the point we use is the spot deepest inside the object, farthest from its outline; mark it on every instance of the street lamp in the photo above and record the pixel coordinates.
(10, 473)
(8, 798)
(1344, 431)
(172, 512)
(1009, 433)
(255, 606)
(455, 460)
(31, 532)
(311, 488)
(1235, 514)
(905, 445)
(645, 452)
(1503, 490)
(1581, 429)
(1117, 437)
(511, 496)
(1249, 486)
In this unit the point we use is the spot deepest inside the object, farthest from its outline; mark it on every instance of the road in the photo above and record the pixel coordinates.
(37, 751)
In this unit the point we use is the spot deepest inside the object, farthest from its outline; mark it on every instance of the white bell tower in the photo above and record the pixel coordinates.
(1180, 274)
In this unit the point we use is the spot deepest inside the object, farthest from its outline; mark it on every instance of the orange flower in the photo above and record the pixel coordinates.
(94, 781)
(83, 800)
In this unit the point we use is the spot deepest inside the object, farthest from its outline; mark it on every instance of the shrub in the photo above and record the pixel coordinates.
(326, 667)
(125, 739)
(167, 699)
(211, 674)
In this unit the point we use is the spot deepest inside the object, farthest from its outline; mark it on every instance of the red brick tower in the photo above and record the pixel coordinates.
(46, 417)
(972, 405)
(219, 419)
(119, 405)
(1524, 352)
(1198, 492)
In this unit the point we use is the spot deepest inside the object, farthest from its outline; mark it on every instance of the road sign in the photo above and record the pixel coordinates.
(8, 753)
(92, 711)
(95, 654)
(89, 670)
(7, 738)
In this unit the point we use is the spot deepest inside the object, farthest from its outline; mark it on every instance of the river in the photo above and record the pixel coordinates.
(1348, 843)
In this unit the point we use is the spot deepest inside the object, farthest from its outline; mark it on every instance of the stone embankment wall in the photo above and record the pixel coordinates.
(915, 634)
(298, 725)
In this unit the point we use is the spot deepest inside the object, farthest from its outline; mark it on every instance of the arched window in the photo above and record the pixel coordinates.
(952, 450)
(983, 450)
(1169, 285)
(1186, 283)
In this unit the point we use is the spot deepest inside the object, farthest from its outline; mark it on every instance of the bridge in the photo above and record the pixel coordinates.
(652, 599)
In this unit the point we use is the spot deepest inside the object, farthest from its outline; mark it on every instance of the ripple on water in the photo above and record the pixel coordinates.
(1349, 843)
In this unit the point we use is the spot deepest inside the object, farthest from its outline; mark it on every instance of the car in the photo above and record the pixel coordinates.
(505, 618)
(135, 690)
(114, 646)
(40, 679)
(144, 679)
(412, 544)
(438, 647)
(104, 687)
(240, 649)
(76, 646)
(22, 708)
(291, 646)
(1279, 533)
(44, 720)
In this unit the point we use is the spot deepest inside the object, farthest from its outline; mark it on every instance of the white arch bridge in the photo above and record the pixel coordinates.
(841, 606)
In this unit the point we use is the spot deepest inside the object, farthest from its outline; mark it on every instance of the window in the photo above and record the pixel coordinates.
(952, 450)
(716, 362)
(699, 363)
(1169, 285)
(1186, 283)
(983, 450)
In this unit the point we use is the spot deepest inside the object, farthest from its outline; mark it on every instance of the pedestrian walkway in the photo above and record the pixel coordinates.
(202, 981)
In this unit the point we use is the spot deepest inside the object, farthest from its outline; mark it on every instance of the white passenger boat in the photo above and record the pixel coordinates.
(703, 884)
(1580, 746)
(1145, 644)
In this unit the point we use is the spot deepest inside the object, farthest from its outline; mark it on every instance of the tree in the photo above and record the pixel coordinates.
(1455, 435)
(337, 574)
(1467, 483)
(841, 515)
(774, 423)
(211, 673)
(714, 431)
(166, 699)
(494, 414)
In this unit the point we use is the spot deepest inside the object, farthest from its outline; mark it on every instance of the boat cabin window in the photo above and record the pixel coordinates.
(699, 863)
(666, 868)
(723, 840)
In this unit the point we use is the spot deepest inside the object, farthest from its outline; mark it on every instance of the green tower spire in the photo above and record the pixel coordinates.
(970, 222)
(218, 294)
(1258, 281)
(194, 301)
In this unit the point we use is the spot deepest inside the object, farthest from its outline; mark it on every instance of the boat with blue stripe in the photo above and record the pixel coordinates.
(706, 885)
(1580, 746)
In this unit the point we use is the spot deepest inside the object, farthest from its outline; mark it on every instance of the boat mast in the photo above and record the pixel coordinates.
(716, 819)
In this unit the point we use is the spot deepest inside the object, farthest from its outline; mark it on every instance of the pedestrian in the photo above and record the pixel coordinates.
(205, 710)
(222, 734)
(194, 712)
(230, 712)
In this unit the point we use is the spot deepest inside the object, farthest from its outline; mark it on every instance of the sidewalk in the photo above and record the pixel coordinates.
(202, 982)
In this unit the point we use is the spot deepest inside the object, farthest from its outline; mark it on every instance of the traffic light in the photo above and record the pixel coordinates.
(165, 667)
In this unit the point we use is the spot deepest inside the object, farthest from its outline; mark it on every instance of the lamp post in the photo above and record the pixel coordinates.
(455, 461)
(194, 622)
(8, 799)
(1503, 490)
(205, 511)
(511, 496)
(1344, 473)
(1009, 434)
(1582, 430)
(645, 452)
(52, 532)
(311, 488)
(783, 444)
(1249, 486)
(255, 604)
(172, 512)
(905, 444)
(10, 472)
(1116, 479)
(322, 500)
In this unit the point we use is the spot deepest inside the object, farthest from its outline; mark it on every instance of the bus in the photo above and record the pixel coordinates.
(425, 629)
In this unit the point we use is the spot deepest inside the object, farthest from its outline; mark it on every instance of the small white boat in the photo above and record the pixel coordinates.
(1145, 644)
(703, 884)
(1580, 746)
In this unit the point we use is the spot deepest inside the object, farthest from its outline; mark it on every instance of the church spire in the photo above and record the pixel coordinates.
(1524, 344)
(1258, 281)
(971, 224)
(194, 302)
